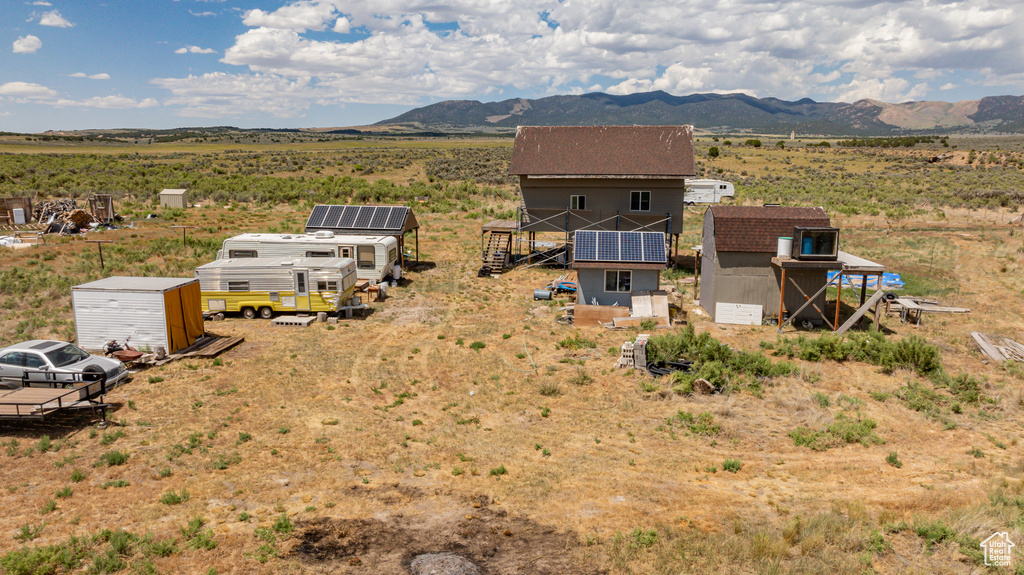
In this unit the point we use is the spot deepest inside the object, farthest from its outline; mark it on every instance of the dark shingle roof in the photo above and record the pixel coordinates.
(665, 151)
(758, 228)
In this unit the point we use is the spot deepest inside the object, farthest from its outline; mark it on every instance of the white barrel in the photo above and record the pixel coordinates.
(785, 247)
(396, 272)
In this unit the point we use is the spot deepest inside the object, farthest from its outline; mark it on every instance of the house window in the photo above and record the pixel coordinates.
(640, 201)
(577, 202)
(238, 285)
(242, 254)
(328, 285)
(618, 281)
(327, 254)
(365, 259)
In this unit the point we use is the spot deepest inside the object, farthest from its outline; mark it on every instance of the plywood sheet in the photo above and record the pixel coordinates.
(592, 314)
(738, 313)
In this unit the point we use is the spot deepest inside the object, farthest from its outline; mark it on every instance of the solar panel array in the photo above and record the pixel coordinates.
(605, 246)
(391, 218)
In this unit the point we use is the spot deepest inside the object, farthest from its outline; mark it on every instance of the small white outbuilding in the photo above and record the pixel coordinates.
(156, 312)
(174, 198)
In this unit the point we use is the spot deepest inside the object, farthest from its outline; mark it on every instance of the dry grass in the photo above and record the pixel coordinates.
(369, 422)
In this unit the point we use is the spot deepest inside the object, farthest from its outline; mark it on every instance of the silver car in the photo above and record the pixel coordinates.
(65, 361)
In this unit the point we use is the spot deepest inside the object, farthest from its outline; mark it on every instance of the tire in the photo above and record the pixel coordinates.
(266, 312)
(249, 313)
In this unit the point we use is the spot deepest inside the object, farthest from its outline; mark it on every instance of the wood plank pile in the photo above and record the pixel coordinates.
(998, 348)
(63, 211)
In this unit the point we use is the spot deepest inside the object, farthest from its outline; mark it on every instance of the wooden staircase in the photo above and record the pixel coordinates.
(499, 245)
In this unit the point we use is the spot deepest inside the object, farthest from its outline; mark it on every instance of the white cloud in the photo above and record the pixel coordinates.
(202, 14)
(414, 52)
(301, 16)
(108, 103)
(40, 3)
(26, 90)
(27, 44)
(195, 50)
(101, 76)
(53, 18)
(948, 86)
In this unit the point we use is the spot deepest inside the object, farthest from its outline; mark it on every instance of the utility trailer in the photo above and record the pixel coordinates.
(707, 191)
(376, 256)
(265, 286)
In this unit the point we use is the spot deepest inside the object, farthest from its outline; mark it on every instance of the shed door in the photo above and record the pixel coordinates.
(301, 290)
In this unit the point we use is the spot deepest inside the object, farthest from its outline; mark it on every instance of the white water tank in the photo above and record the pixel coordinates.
(396, 272)
(785, 248)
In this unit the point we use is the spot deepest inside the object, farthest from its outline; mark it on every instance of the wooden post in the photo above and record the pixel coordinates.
(839, 298)
(183, 228)
(99, 246)
(782, 295)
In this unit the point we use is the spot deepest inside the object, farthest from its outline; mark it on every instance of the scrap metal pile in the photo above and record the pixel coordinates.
(63, 216)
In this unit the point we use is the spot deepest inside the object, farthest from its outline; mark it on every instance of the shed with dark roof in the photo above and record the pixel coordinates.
(624, 178)
(736, 259)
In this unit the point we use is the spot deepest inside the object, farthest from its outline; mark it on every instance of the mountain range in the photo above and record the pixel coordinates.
(723, 113)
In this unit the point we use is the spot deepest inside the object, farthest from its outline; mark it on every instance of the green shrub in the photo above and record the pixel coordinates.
(732, 465)
(172, 498)
(840, 432)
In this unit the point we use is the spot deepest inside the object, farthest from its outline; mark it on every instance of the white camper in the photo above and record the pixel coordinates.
(375, 256)
(263, 286)
(707, 191)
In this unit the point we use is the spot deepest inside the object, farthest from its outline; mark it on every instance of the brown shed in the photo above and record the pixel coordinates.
(603, 177)
(736, 262)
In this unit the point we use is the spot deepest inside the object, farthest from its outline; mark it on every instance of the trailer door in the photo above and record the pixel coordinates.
(301, 290)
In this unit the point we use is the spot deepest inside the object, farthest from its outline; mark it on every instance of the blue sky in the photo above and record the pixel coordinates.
(251, 63)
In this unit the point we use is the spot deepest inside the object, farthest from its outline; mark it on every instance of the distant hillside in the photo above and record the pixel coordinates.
(724, 113)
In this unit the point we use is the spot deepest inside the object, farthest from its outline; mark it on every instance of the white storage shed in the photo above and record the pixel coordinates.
(174, 198)
(156, 312)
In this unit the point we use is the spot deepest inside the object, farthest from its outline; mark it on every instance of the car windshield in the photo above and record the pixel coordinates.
(66, 355)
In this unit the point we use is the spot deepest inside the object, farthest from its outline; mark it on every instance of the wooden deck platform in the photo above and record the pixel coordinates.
(206, 346)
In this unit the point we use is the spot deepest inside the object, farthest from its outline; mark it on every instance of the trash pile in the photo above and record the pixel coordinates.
(62, 216)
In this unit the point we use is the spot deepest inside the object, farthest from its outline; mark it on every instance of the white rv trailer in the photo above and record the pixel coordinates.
(707, 191)
(375, 256)
(263, 286)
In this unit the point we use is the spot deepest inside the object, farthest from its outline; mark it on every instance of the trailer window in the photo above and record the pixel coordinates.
(393, 254)
(242, 254)
(344, 251)
(319, 254)
(640, 201)
(328, 285)
(365, 259)
(242, 285)
(618, 281)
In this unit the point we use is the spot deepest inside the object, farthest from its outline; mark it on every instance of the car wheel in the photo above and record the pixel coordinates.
(249, 313)
(266, 313)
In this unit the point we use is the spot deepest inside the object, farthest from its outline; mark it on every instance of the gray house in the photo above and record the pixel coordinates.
(612, 265)
(740, 266)
(625, 178)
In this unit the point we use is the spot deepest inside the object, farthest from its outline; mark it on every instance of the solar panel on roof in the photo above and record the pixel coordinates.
(380, 217)
(654, 248)
(332, 216)
(316, 217)
(608, 246)
(631, 248)
(363, 217)
(585, 248)
(347, 216)
(397, 219)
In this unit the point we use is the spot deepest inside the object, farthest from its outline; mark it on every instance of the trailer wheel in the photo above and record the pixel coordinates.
(249, 312)
(266, 313)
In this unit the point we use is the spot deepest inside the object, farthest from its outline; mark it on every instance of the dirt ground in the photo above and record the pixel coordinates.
(392, 435)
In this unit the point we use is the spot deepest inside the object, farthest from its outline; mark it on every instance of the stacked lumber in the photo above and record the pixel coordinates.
(43, 210)
(998, 348)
